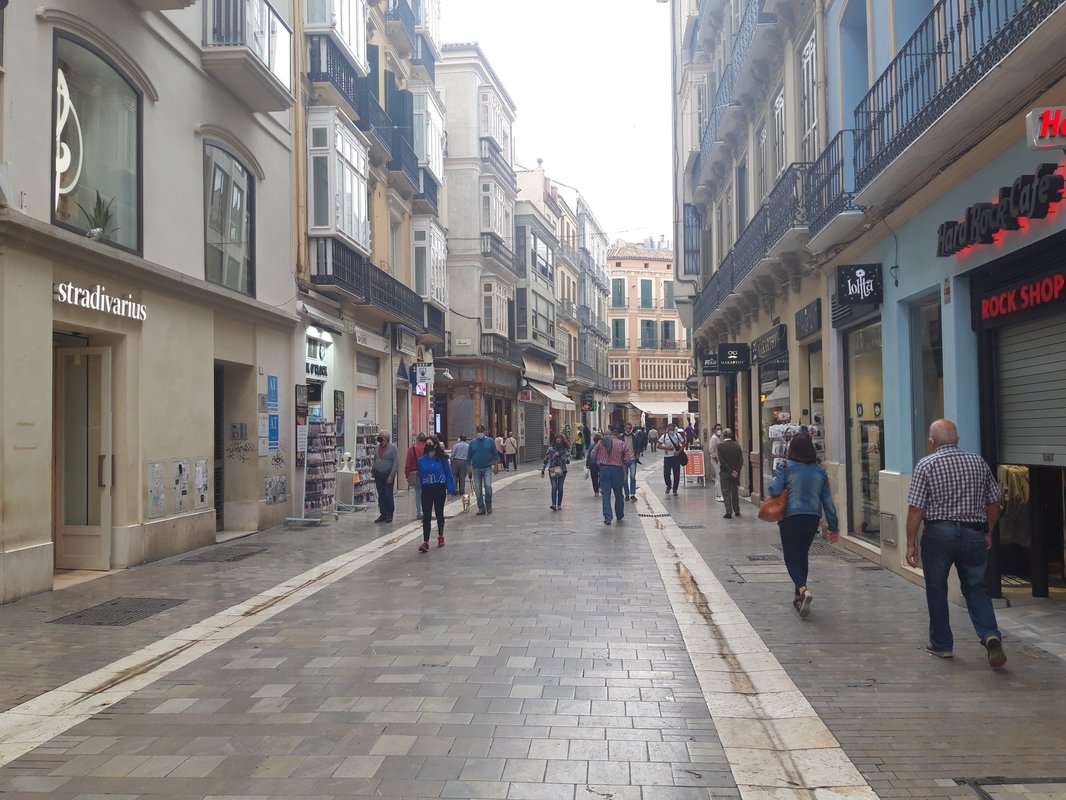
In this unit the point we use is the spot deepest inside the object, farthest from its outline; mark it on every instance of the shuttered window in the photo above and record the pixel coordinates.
(809, 73)
(1031, 392)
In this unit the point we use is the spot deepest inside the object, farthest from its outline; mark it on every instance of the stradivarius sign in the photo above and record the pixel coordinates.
(99, 299)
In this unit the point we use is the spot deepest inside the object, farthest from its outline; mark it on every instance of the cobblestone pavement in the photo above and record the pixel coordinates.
(538, 655)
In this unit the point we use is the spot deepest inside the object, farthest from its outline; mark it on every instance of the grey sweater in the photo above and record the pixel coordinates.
(387, 463)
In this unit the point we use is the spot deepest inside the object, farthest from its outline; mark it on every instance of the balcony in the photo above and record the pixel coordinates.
(648, 344)
(752, 43)
(786, 212)
(375, 123)
(248, 49)
(751, 246)
(163, 5)
(400, 22)
(585, 373)
(332, 75)
(426, 200)
(934, 97)
(718, 287)
(723, 115)
(500, 348)
(341, 272)
(603, 382)
(424, 60)
(433, 325)
(621, 384)
(619, 302)
(661, 386)
(492, 156)
(565, 309)
(831, 209)
(619, 344)
(567, 253)
(493, 248)
(403, 165)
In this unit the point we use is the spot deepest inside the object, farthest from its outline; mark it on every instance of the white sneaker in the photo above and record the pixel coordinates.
(720, 499)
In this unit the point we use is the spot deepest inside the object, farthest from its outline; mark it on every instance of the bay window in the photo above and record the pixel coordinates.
(345, 21)
(430, 258)
(338, 178)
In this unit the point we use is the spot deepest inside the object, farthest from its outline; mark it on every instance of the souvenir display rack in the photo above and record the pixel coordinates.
(320, 484)
(366, 447)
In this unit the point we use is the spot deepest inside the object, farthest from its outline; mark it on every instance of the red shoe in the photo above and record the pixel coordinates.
(424, 547)
(440, 540)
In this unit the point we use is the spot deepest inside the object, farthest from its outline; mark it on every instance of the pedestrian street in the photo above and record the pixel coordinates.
(539, 654)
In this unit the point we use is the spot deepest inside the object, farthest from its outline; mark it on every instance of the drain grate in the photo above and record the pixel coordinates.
(692, 527)
(223, 555)
(871, 569)
(1007, 788)
(120, 611)
(1014, 580)
(822, 549)
(764, 557)
(554, 532)
(653, 515)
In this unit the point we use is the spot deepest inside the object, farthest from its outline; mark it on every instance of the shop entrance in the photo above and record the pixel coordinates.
(83, 458)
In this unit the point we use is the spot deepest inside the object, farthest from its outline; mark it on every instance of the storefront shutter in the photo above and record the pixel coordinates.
(1031, 392)
(535, 447)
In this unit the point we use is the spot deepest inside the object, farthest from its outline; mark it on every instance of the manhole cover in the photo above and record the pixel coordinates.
(223, 555)
(554, 532)
(764, 557)
(120, 611)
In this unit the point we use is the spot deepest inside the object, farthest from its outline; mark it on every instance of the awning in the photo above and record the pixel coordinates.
(558, 400)
(537, 370)
(660, 408)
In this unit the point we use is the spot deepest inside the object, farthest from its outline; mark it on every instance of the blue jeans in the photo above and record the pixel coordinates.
(631, 479)
(417, 487)
(557, 490)
(612, 480)
(483, 487)
(944, 545)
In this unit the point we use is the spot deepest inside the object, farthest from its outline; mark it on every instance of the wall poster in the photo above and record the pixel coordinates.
(181, 486)
(338, 417)
(157, 490)
(200, 483)
(301, 424)
(277, 489)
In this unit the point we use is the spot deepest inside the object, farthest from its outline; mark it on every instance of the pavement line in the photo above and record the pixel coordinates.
(34, 722)
(776, 744)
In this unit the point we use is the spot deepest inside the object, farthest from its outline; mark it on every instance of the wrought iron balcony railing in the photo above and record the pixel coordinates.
(424, 58)
(786, 205)
(749, 23)
(500, 347)
(434, 321)
(400, 13)
(602, 382)
(751, 245)
(372, 117)
(493, 156)
(954, 47)
(830, 181)
(566, 309)
(427, 197)
(718, 287)
(492, 247)
(723, 101)
(255, 25)
(585, 372)
(648, 344)
(326, 63)
(404, 159)
(567, 252)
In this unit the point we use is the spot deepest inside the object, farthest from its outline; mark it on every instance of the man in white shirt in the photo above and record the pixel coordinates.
(672, 443)
(712, 456)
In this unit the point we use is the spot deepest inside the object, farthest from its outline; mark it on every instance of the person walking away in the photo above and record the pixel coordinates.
(410, 469)
(612, 455)
(712, 457)
(555, 463)
(483, 463)
(500, 450)
(435, 478)
(579, 442)
(510, 451)
(460, 463)
(629, 488)
(808, 496)
(653, 438)
(672, 443)
(385, 468)
(642, 443)
(592, 466)
(690, 435)
(955, 494)
(731, 462)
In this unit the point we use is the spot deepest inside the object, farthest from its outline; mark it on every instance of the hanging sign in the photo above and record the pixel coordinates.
(809, 319)
(859, 284)
(1029, 197)
(710, 365)
(771, 345)
(733, 358)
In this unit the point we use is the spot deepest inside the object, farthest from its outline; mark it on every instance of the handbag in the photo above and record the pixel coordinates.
(682, 458)
(556, 472)
(772, 509)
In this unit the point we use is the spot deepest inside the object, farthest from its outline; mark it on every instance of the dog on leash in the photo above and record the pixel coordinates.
(466, 502)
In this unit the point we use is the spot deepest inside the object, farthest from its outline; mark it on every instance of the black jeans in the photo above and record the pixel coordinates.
(459, 474)
(594, 475)
(797, 535)
(433, 496)
(386, 503)
(672, 468)
(511, 460)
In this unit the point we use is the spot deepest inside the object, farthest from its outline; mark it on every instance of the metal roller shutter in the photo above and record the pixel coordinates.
(535, 448)
(1031, 392)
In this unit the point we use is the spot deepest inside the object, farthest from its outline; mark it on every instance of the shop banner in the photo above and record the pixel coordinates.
(733, 358)
(770, 345)
(710, 365)
(809, 319)
(859, 284)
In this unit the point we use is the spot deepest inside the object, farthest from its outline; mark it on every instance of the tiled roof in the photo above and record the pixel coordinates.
(636, 252)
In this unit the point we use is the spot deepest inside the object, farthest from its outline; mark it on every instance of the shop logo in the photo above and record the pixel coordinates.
(317, 370)
(733, 358)
(65, 158)
(1029, 197)
(859, 283)
(1046, 128)
(1028, 295)
(98, 299)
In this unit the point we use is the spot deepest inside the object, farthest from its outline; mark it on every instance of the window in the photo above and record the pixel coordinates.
(668, 294)
(646, 300)
(809, 147)
(779, 134)
(496, 298)
(429, 132)
(618, 292)
(430, 257)
(347, 19)
(762, 163)
(669, 338)
(228, 231)
(97, 159)
(647, 334)
(338, 177)
(618, 334)
(692, 240)
(522, 313)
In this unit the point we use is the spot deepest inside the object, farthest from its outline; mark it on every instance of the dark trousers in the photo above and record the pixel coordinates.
(594, 476)
(433, 496)
(386, 502)
(797, 535)
(459, 474)
(510, 460)
(730, 487)
(672, 468)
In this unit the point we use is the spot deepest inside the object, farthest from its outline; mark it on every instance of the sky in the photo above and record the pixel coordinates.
(591, 83)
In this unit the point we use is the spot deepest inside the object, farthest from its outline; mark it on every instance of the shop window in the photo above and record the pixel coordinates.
(228, 233)
(96, 159)
(928, 380)
(866, 430)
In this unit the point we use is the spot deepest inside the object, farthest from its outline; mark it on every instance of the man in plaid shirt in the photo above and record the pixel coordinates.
(954, 493)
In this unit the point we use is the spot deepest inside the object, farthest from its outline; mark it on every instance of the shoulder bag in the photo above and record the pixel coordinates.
(772, 509)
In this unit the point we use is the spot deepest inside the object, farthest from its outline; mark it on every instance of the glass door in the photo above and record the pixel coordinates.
(866, 430)
(83, 458)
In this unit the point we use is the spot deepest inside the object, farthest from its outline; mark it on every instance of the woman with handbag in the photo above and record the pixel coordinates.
(555, 463)
(803, 485)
